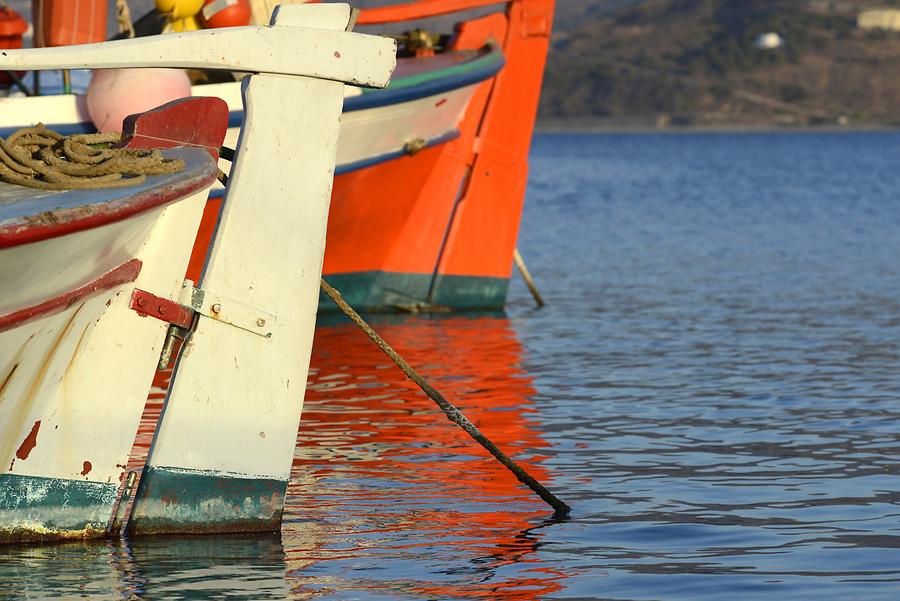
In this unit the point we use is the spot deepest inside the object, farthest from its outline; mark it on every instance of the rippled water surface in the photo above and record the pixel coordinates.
(713, 387)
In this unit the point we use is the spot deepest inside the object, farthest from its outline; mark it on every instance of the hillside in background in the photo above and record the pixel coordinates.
(693, 62)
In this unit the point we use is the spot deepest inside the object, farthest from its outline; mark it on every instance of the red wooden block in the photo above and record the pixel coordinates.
(196, 121)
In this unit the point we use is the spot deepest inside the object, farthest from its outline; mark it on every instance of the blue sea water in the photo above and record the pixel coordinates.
(714, 386)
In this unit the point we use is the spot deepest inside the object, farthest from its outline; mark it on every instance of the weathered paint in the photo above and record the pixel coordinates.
(36, 508)
(386, 291)
(234, 403)
(230, 384)
(58, 360)
(178, 500)
(122, 274)
(73, 211)
(149, 305)
(51, 361)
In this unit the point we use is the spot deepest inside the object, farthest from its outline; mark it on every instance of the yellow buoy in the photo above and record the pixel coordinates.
(179, 9)
(187, 24)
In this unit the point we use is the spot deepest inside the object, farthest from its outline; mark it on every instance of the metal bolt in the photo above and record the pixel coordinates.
(141, 301)
(216, 308)
(161, 310)
(260, 322)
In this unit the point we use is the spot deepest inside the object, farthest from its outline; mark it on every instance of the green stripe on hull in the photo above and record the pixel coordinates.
(460, 69)
(375, 291)
(470, 293)
(179, 501)
(34, 508)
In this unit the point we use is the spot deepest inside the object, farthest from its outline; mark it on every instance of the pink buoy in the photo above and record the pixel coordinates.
(113, 94)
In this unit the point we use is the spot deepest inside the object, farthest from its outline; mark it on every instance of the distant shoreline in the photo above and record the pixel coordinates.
(647, 126)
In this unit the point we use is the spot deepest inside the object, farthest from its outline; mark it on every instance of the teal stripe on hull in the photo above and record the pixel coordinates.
(34, 508)
(179, 501)
(382, 291)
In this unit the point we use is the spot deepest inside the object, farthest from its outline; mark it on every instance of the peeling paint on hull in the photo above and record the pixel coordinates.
(180, 501)
(35, 509)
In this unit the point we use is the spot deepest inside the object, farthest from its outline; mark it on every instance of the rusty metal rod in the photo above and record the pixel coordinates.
(527, 277)
(450, 410)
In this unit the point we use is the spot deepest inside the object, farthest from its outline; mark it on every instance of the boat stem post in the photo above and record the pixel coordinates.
(529, 281)
(451, 411)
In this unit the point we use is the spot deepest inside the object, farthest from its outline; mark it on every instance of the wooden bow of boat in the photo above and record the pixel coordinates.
(73, 379)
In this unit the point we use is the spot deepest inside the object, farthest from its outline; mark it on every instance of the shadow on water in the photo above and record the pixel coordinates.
(189, 568)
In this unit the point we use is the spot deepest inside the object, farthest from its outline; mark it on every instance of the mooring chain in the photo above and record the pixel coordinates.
(39, 157)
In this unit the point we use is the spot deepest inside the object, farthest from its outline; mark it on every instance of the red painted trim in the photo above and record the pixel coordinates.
(195, 121)
(61, 222)
(127, 272)
(150, 305)
(422, 9)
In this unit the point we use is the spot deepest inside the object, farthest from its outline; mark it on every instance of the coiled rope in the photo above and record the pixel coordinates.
(41, 158)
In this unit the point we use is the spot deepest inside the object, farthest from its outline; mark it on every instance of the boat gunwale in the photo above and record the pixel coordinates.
(117, 205)
(430, 83)
(422, 9)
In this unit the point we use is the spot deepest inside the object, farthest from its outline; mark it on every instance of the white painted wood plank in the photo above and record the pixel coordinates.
(235, 401)
(335, 17)
(336, 55)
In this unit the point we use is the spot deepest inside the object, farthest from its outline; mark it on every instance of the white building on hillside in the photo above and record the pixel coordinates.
(768, 41)
(879, 18)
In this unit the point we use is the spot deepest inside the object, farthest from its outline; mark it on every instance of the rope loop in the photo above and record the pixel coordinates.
(41, 158)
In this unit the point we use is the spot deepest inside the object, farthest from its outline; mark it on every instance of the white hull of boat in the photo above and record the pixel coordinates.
(367, 136)
(78, 360)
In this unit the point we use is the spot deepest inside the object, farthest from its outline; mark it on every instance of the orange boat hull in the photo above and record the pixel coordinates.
(440, 227)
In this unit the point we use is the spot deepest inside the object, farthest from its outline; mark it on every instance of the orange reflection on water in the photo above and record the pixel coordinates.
(382, 479)
(386, 494)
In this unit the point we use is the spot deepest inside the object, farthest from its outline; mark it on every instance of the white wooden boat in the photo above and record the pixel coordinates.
(423, 108)
(77, 348)
(430, 172)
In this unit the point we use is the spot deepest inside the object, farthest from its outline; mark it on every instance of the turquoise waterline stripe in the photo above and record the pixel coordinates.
(378, 291)
(180, 501)
(35, 508)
